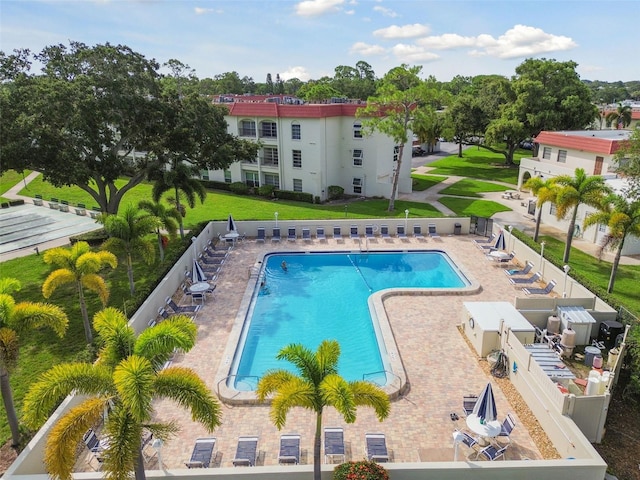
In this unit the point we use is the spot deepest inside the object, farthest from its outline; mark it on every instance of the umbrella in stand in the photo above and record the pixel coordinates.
(485, 408)
(231, 224)
(500, 243)
(197, 274)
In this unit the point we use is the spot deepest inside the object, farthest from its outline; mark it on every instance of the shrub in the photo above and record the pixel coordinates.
(266, 190)
(362, 470)
(335, 192)
(239, 188)
(94, 238)
(296, 196)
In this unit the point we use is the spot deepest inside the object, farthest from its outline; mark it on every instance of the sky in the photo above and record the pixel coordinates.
(308, 39)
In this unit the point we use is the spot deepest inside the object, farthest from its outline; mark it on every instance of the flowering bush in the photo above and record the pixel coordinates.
(362, 470)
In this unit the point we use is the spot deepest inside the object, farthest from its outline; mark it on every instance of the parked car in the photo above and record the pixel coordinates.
(418, 152)
(526, 144)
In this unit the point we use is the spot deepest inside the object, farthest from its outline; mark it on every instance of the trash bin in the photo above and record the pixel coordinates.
(457, 229)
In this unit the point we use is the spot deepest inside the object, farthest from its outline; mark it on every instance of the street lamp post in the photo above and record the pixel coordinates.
(511, 237)
(541, 255)
(457, 438)
(566, 269)
(406, 220)
(276, 215)
(157, 446)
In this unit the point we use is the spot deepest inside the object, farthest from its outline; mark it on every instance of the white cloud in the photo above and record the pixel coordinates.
(447, 41)
(404, 31)
(362, 48)
(295, 72)
(413, 54)
(311, 8)
(203, 11)
(387, 12)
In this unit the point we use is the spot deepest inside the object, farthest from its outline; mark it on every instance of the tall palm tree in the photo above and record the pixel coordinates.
(179, 179)
(623, 219)
(573, 192)
(127, 377)
(128, 232)
(169, 220)
(621, 116)
(545, 191)
(318, 385)
(15, 318)
(79, 266)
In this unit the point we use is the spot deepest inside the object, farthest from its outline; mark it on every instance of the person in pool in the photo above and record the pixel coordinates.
(283, 265)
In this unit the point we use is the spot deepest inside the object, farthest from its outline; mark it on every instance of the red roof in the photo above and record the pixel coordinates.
(259, 109)
(585, 141)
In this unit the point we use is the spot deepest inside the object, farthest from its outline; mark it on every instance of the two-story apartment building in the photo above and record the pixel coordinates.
(307, 148)
(560, 153)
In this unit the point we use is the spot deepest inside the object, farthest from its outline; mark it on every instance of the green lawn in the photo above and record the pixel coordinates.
(423, 182)
(8, 180)
(472, 188)
(480, 164)
(464, 207)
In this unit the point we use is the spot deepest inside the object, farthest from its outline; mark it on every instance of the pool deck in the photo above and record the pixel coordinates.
(440, 366)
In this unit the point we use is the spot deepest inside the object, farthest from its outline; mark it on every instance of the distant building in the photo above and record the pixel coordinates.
(307, 148)
(560, 153)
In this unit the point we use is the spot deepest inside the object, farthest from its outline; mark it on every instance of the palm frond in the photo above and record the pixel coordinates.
(295, 393)
(133, 378)
(9, 348)
(56, 279)
(96, 284)
(187, 389)
(157, 344)
(92, 262)
(370, 395)
(7, 305)
(125, 436)
(60, 256)
(337, 392)
(117, 336)
(9, 285)
(271, 381)
(30, 315)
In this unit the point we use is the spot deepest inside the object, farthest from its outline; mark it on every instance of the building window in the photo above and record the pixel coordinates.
(546, 153)
(227, 176)
(251, 179)
(552, 209)
(272, 179)
(357, 130)
(204, 174)
(295, 131)
(270, 156)
(602, 228)
(297, 185)
(562, 156)
(247, 128)
(297, 159)
(396, 153)
(357, 158)
(268, 130)
(357, 185)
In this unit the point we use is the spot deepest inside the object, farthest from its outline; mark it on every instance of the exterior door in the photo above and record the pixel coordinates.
(597, 169)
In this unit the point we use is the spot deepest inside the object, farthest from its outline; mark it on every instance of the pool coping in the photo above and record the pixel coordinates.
(395, 389)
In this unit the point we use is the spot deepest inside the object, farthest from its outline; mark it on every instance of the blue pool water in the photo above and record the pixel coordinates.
(324, 296)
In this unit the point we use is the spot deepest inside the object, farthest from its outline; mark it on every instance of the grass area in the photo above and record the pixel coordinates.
(8, 180)
(480, 164)
(472, 188)
(423, 182)
(39, 350)
(466, 207)
(625, 290)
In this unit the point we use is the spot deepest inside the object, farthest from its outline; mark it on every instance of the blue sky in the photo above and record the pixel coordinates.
(308, 39)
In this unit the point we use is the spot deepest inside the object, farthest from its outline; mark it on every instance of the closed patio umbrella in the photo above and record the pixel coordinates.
(500, 242)
(231, 224)
(485, 408)
(197, 274)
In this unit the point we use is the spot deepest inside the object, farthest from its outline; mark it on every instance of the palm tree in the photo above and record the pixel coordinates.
(623, 219)
(318, 385)
(15, 318)
(127, 232)
(621, 116)
(573, 192)
(79, 266)
(127, 377)
(545, 192)
(169, 220)
(179, 179)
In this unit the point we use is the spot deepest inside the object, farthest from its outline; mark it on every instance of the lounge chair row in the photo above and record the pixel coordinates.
(247, 452)
(64, 206)
(370, 231)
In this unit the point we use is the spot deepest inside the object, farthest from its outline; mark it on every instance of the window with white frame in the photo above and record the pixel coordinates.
(268, 129)
(251, 179)
(562, 156)
(546, 153)
(297, 185)
(552, 209)
(357, 157)
(272, 179)
(295, 131)
(297, 158)
(247, 128)
(204, 174)
(270, 156)
(396, 153)
(602, 227)
(227, 176)
(357, 130)
(357, 185)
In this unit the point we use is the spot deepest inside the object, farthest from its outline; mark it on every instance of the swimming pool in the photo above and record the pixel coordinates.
(325, 296)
